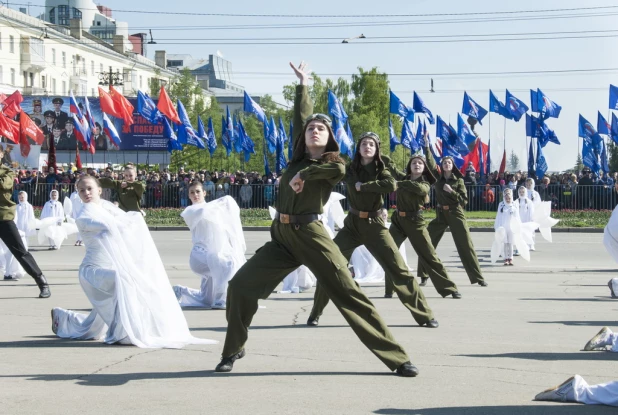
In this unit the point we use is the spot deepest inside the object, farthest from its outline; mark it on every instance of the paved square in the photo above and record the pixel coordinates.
(494, 350)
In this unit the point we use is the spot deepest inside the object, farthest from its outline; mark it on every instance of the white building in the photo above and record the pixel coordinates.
(38, 58)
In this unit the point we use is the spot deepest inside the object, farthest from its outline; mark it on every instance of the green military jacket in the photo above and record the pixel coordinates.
(7, 206)
(374, 184)
(320, 178)
(411, 194)
(129, 197)
(459, 196)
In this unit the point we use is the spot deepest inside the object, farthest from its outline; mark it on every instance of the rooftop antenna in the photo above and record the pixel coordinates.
(152, 42)
(432, 90)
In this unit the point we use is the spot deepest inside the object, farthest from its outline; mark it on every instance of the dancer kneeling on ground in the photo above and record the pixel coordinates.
(407, 222)
(10, 235)
(299, 238)
(123, 277)
(576, 389)
(218, 248)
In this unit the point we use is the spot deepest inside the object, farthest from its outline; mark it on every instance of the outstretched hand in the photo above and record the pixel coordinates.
(297, 183)
(301, 72)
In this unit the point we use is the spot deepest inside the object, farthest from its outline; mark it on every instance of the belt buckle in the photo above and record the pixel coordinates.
(283, 218)
(363, 215)
(402, 214)
(445, 207)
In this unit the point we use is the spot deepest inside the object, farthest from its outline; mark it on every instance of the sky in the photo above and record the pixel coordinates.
(263, 69)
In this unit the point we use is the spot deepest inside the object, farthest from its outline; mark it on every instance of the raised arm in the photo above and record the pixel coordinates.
(303, 107)
(390, 165)
(107, 183)
(385, 183)
(431, 163)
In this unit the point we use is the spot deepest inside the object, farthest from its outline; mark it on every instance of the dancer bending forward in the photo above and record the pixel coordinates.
(123, 277)
(218, 248)
(299, 238)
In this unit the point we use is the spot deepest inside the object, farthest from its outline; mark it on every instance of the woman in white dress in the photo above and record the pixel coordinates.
(123, 277)
(52, 209)
(25, 220)
(218, 248)
(526, 209)
(508, 212)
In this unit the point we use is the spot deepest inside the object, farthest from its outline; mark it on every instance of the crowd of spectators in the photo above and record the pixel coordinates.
(584, 190)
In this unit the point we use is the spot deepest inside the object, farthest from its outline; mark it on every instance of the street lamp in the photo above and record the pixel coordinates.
(110, 78)
(361, 36)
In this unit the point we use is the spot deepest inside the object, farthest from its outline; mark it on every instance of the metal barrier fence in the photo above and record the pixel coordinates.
(480, 198)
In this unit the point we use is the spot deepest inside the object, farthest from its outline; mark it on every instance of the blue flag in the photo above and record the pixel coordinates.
(210, 135)
(251, 106)
(407, 137)
(291, 141)
(604, 159)
(464, 133)
(488, 163)
(614, 129)
(515, 106)
(270, 134)
(534, 106)
(186, 133)
(419, 106)
(394, 141)
(420, 133)
(590, 157)
(335, 108)
(473, 109)
(613, 97)
(448, 150)
(396, 106)
(147, 108)
(225, 136)
(282, 134)
(587, 132)
(541, 163)
(168, 132)
(238, 138)
(280, 162)
(346, 145)
(603, 126)
(449, 136)
(531, 158)
(201, 130)
(547, 107)
(498, 107)
(535, 127)
(248, 147)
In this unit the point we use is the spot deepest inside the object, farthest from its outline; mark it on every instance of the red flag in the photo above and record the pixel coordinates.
(28, 128)
(15, 97)
(124, 106)
(2, 98)
(6, 129)
(24, 145)
(107, 104)
(11, 110)
(473, 156)
(503, 163)
(14, 127)
(78, 159)
(166, 106)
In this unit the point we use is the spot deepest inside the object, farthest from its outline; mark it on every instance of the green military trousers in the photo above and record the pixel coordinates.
(414, 228)
(456, 220)
(375, 236)
(309, 245)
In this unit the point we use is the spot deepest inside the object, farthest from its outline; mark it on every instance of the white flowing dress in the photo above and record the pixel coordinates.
(123, 277)
(511, 232)
(50, 225)
(218, 251)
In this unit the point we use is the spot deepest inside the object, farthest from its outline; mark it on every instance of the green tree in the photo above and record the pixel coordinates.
(579, 165)
(513, 162)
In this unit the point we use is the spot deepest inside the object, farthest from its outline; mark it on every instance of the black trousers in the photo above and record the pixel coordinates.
(10, 236)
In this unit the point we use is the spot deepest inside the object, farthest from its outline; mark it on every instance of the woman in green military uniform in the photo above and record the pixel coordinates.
(451, 197)
(299, 238)
(407, 222)
(367, 181)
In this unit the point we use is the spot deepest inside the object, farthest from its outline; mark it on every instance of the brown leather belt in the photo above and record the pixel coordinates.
(447, 207)
(410, 214)
(296, 219)
(364, 215)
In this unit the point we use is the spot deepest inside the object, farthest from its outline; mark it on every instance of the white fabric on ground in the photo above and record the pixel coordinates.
(602, 394)
(610, 235)
(123, 277)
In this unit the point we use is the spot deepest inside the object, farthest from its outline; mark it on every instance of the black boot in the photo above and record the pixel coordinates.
(423, 281)
(407, 370)
(41, 281)
(227, 363)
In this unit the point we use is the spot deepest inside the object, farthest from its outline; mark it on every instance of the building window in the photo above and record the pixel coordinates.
(31, 79)
(101, 69)
(52, 15)
(91, 91)
(54, 57)
(63, 15)
(92, 68)
(84, 66)
(12, 76)
(77, 14)
(1, 76)
(11, 44)
(53, 86)
(43, 82)
(64, 87)
(140, 82)
(64, 59)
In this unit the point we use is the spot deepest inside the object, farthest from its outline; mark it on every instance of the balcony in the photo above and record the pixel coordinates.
(33, 90)
(79, 76)
(32, 54)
